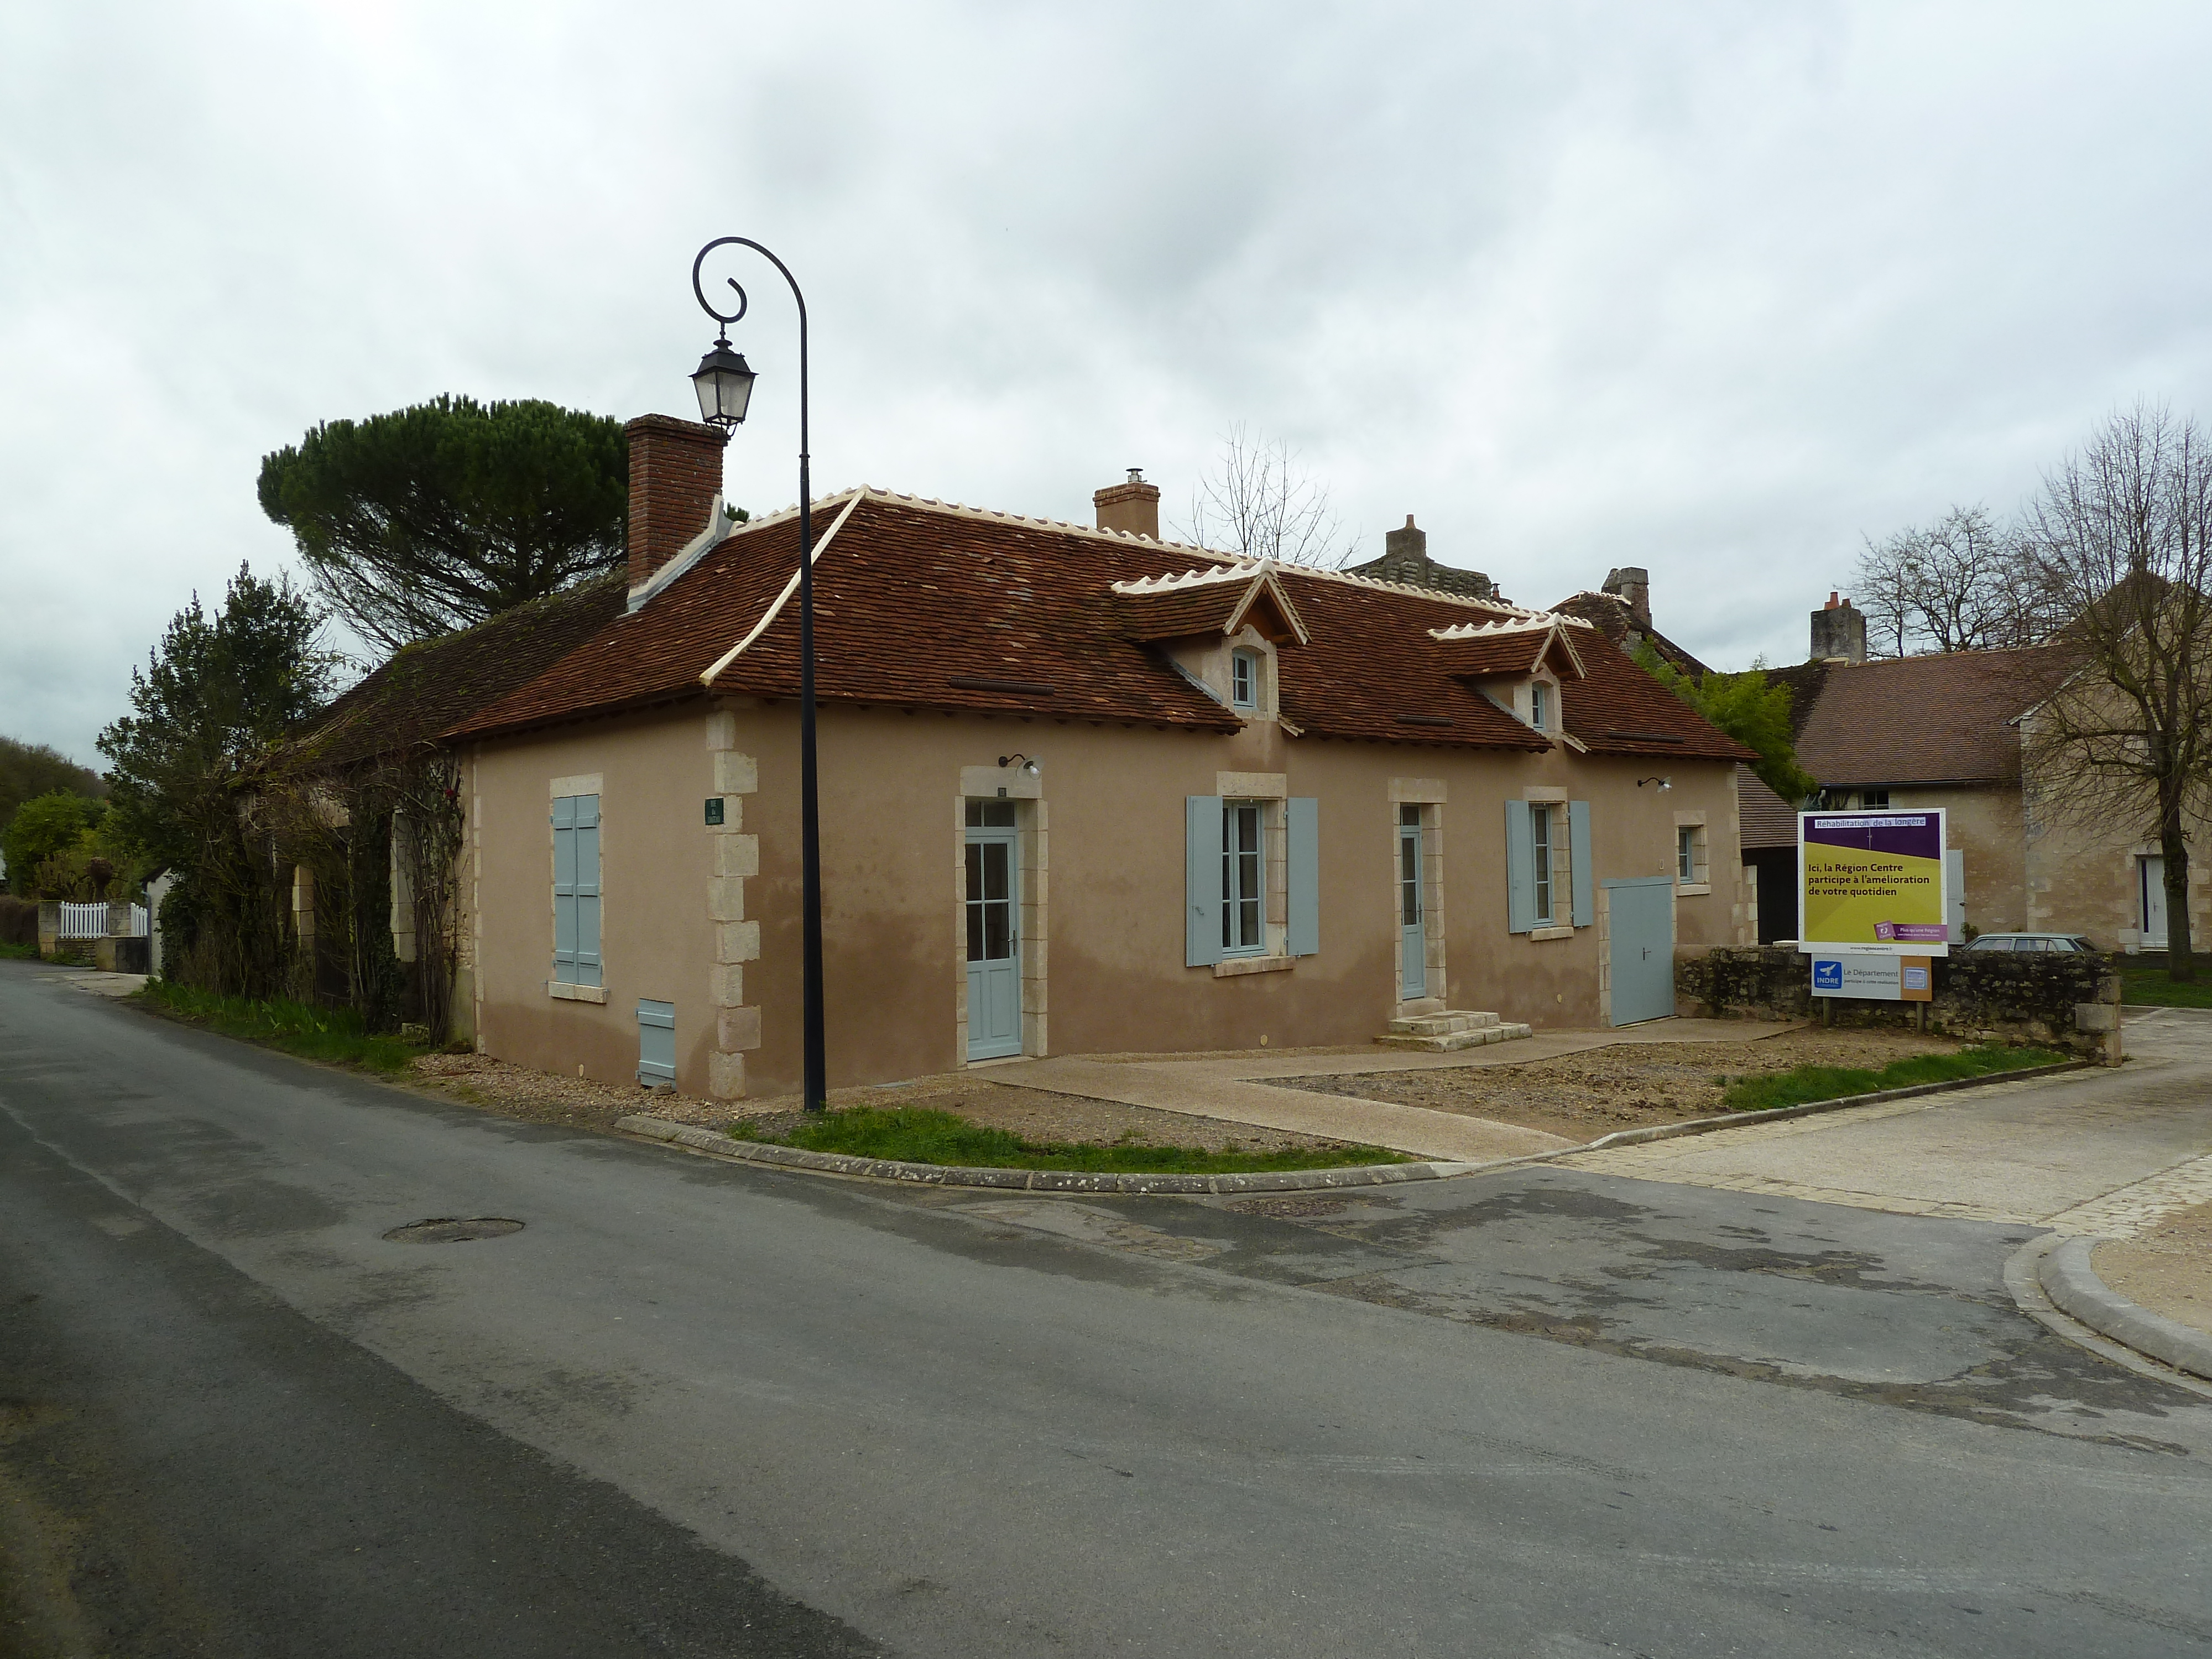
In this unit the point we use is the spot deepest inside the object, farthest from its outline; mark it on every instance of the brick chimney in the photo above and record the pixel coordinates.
(675, 474)
(1631, 585)
(1133, 506)
(1839, 632)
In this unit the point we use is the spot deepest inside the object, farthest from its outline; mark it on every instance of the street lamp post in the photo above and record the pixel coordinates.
(725, 387)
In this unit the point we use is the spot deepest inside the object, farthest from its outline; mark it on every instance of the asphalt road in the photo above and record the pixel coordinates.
(698, 1408)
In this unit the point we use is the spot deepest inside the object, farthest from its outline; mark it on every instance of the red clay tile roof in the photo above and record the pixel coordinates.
(1610, 615)
(427, 686)
(1765, 819)
(1804, 681)
(1219, 600)
(1941, 719)
(1503, 648)
(917, 604)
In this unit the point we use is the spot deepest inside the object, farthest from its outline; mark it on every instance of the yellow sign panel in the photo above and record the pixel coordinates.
(1873, 881)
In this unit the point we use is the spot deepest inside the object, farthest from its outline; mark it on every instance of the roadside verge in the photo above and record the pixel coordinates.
(718, 1145)
(1035, 1180)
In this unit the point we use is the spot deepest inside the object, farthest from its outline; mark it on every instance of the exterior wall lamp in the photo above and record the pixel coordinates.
(1665, 784)
(725, 385)
(1028, 764)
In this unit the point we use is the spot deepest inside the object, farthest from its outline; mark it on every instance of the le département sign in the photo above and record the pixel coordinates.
(1871, 884)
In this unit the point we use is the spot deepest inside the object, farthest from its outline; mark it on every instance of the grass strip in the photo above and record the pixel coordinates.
(926, 1134)
(1806, 1084)
(335, 1035)
(2150, 988)
(19, 952)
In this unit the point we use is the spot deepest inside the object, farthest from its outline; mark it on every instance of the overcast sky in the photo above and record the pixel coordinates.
(1708, 288)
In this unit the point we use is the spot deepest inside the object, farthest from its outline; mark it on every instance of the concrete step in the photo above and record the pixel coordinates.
(1444, 1024)
(1445, 1042)
(1422, 1005)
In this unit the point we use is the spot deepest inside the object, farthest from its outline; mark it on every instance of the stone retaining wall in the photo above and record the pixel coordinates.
(2068, 1001)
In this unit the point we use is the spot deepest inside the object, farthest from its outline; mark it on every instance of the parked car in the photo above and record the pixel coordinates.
(2031, 942)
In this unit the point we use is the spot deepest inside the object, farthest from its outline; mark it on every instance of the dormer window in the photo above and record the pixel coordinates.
(1540, 705)
(1243, 680)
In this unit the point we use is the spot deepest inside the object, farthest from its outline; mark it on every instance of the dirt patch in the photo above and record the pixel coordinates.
(516, 1091)
(1628, 1085)
(2166, 1268)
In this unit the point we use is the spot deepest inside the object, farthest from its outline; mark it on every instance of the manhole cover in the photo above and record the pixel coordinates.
(444, 1230)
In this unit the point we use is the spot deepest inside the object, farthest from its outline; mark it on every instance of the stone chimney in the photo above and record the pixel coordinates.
(1631, 585)
(675, 476)
(1406, 560)
(1406, 550)
(1134, 507)
(1839, 632)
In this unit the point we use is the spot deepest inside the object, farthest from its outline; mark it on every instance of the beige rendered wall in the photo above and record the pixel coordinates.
(1104, 847)
(2085, 878)
(657, 872)
(1985, 824)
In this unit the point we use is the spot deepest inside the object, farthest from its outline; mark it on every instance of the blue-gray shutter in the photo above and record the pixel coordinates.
(564, 890)
(656, 1041)
(1202, 880)
(1579, 859)
(588, 970)
(1302, 856)
(1519, 868)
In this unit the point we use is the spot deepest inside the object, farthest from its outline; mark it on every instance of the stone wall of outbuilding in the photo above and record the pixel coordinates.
(2066, 1001)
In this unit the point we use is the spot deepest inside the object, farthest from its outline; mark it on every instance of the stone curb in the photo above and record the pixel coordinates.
(1033, 1181)
(1700, 1126)
(2071, 1283)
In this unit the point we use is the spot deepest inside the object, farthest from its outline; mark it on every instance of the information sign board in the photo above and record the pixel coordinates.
(1875, 979)
(1872, 883)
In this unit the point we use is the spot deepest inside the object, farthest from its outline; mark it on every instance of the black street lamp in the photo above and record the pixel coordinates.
(725, 385)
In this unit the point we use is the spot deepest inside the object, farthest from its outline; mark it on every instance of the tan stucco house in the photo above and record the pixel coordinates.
(1082, 790)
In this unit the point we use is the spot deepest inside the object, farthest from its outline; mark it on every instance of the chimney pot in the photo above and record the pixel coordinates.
(1134, 507)
(675, 476)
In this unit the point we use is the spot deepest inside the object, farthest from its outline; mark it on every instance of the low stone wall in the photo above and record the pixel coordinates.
(2068, 1001)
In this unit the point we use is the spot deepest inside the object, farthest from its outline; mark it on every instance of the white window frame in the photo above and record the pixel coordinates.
(1244, 668)
(1238, 901)
(1542, 856)
(1540, 693)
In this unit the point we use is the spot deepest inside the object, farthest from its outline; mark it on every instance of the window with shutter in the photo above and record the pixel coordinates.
(1520, 867)
(1201, 880)
(576, 956)
(1302, 851)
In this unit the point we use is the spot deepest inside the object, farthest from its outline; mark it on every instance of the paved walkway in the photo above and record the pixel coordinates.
(98, 981)
(1236, 1089)
(2101, 1153)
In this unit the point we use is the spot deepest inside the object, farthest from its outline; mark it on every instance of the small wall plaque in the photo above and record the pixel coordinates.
(713, 808)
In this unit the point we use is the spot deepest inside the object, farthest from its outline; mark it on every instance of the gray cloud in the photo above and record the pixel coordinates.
(1711, 289)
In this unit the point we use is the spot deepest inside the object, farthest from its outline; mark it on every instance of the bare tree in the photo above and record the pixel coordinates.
(1954, 585)
(1258, 504)
(2120, 540)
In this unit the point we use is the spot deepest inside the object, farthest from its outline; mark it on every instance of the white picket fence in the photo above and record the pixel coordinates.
(90, 921)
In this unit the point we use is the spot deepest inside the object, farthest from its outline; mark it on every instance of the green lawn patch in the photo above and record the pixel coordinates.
(19, 952)
(2149, 988)
(923, 1134)
(333, 1034)
(1806, 1084)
